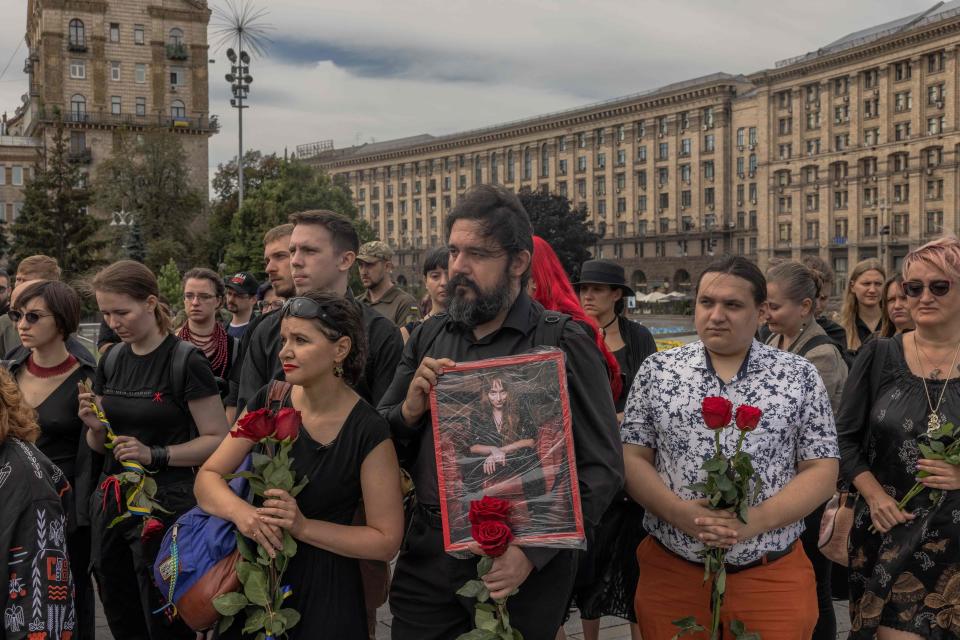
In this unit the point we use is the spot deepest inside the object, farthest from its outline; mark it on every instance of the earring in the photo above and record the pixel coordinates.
(338, 370)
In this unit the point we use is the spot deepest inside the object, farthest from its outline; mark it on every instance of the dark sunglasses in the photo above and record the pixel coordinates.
(308, 309)
(914, 288)
(33, 317)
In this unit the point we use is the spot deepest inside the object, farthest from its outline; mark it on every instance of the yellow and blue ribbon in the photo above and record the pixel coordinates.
(128, 465)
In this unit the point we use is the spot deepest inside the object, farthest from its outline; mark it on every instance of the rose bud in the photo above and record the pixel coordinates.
(254, 426)
(489, 508)
(493, 537)
(717, 412)
(748, 417)
(287, 424)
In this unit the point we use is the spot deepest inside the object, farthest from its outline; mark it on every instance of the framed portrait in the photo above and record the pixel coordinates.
(502, 428)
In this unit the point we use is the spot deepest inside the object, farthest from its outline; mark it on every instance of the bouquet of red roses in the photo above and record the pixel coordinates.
(263, 590)
(489, 527)
(731, 485)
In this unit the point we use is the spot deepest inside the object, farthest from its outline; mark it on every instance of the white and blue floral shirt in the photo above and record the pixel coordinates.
(663, 412)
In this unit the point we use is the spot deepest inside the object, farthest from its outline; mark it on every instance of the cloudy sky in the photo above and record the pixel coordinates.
(374, 70)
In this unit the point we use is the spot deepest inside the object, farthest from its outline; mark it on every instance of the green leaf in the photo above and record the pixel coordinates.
(484, 566)
(471, 589)
(477, 634)
(244, 548)
(937, 446)
(150, 486)
(255, 620)
(925, 451)
(720, 583)
(724, 483)
(256, 589)
(290, 617)
(249, 475)
(486, 620)
(259, 460)
(517, 635)
(243, 570)
(713, 464)
(225, 623)
(289, 545)
(300, 486)
(699, 487)
(737, 627)
(230, 604)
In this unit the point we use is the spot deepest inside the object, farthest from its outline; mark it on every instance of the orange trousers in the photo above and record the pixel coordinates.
(777, 600)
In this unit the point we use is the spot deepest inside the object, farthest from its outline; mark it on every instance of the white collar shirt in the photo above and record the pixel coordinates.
(663, 412)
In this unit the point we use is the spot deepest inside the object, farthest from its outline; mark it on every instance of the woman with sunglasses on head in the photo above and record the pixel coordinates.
(203, 295)
(896, 312)
(45, 313)
(862, 313)
(904, 565)
(162, 401)
(344, 450)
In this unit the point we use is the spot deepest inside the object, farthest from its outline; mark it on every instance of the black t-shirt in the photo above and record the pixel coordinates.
(137, 399)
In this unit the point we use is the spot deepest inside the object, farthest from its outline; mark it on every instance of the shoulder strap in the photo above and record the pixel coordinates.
(813, 343)
(110, 360)
(178, 368)
(550, 329)
(277, 394)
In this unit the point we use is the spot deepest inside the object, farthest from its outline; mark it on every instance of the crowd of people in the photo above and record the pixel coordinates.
(856, 402)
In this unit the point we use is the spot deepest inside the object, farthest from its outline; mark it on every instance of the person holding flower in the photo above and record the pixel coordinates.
(905, 561)
(670, 432)
(342, 448)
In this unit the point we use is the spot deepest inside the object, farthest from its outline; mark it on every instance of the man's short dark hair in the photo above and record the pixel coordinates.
(437, 258)
(501, 216)
(341, 228)
(742, 268)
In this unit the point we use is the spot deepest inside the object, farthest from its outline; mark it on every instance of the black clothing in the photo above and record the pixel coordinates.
(639, 344)
(826, 628)
(232, 398)
(424, 573)
(423, 596)
(834, 331)
(138, 401)
(904, 578)
(261, 361)
(37, 598)
(327, 589)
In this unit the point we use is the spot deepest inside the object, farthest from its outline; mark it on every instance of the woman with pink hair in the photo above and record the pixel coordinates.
(905, 563)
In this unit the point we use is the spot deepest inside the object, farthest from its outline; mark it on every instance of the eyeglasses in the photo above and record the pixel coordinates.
(308, 309)
(914, 288)
(272, 305)
(33, 317)
(201, 297)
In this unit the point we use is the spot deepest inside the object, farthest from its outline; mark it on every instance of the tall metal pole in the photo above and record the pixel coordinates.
(240, 155)
(239, 79)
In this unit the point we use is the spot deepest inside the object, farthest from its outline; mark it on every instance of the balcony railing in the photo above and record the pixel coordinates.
(177, 51)
(77, 47)
(80, 156)
(205, 124)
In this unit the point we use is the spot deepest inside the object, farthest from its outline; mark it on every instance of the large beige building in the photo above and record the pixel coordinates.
(106, 67)
(848, 152)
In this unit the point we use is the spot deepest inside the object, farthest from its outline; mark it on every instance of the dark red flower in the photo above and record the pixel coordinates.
(152, 529)
(748, 417)
(489, 509)
(493, 536)
(717, 412)
(287, 424)
(254, 426)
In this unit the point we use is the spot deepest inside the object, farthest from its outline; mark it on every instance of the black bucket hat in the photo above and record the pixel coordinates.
(604, 272)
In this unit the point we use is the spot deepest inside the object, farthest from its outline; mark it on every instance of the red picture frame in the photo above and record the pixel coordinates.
(518, 406)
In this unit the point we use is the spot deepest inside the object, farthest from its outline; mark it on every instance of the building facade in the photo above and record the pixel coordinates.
(849, 152)
(106, 68)
(18, 154)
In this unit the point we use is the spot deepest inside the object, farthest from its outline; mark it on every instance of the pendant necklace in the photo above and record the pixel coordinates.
(603, 329)
(933, 421)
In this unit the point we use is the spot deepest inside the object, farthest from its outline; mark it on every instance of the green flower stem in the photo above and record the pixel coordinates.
(743, 435)
(716, 438)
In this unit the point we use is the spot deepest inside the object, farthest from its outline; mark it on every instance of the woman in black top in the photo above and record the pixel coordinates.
(344, 449)
(862, 314)
(45, 313)
(162, 401)
(611, 579)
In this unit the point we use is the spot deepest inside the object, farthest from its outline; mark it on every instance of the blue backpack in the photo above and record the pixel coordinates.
(198, 555)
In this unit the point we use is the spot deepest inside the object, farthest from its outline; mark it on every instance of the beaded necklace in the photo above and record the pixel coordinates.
(214, 346)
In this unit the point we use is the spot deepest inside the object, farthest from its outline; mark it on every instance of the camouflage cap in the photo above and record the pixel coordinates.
(375, 250)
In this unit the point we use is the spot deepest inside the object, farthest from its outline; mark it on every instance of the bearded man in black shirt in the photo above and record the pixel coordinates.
(490, 315)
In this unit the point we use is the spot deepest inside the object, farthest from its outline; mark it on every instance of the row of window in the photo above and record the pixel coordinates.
(177, 75)
(13, 175)
(78, 107)
(870, 78)
(77, 34)
(10, 210)
(869, 229)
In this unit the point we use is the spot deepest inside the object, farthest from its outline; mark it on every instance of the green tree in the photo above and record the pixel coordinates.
(54, 219)
(148, 176)
(561, 224)
(298, 187)
(168, 279)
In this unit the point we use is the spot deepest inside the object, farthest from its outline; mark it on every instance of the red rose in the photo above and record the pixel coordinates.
(152, 529)
(254, 426)
(748, 417)
(489, 509)
(493, 536)
(287, 424)
(717, 412)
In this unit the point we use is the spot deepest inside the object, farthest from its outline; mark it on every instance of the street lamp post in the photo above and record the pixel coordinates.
(239, 79)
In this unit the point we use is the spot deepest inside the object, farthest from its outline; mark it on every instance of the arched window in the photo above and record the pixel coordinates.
(681, 280)
(77, 33)
(177, 109)
(527, 164)
(510, 170)
(176, 37)
(544, 162)
(78, 107)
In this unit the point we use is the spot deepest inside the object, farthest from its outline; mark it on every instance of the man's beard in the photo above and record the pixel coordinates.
(373, 284)
(484, 308)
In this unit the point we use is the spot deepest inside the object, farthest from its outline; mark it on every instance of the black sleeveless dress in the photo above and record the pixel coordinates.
(327, 590)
